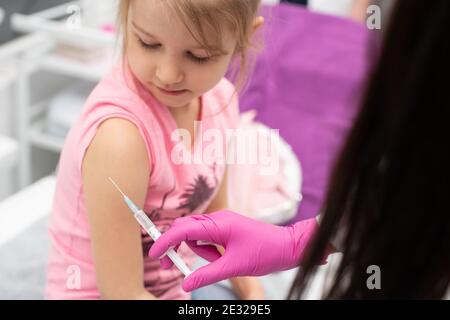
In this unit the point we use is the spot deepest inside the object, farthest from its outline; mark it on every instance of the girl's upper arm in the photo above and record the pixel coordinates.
(220, 201)
(117, 151)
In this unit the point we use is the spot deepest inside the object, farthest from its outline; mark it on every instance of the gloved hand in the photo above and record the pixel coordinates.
(252, 248)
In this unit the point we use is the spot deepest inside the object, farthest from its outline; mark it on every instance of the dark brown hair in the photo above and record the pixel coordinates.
(388, 196)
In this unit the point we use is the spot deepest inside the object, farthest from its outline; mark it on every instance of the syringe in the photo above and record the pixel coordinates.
(151, 229)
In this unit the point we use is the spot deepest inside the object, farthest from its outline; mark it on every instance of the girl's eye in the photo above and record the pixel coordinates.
(149, 46)
(191, 56)
(197, 59)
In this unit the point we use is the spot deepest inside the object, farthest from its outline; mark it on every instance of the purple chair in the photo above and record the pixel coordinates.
(307, 83)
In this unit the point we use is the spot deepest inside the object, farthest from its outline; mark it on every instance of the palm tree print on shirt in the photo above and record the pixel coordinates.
(198, 193)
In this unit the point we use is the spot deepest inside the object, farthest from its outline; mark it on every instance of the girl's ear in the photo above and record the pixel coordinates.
(257, 23)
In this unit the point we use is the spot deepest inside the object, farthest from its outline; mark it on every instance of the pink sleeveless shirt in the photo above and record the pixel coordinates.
(175, 189)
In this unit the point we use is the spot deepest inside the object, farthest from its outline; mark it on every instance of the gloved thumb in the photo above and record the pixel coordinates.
(211, 273)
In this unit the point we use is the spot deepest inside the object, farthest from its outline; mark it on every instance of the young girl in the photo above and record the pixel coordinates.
(176, 53)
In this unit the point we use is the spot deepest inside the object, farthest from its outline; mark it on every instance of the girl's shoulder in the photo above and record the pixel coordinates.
(116, 106)
(118, 95)
(116, 87)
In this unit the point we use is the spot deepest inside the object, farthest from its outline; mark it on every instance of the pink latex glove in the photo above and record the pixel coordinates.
(252, 248)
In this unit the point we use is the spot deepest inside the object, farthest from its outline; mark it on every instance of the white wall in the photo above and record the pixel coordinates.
(7, 181)
(336, 7)
(270, 1)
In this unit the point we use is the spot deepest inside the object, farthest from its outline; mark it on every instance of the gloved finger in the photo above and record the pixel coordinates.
(188, 219)
(165, 261)
(208, 252)
(211, 273)
(189, 229)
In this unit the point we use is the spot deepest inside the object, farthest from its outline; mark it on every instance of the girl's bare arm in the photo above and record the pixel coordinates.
(117, 151)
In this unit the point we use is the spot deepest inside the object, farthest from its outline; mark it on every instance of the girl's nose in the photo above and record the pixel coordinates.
(169, 74)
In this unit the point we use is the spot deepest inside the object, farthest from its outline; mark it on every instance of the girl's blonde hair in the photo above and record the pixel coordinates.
(200, 15)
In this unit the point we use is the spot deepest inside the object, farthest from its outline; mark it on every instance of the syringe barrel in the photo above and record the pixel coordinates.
(154, 233)
(176, 259)
(147, 225)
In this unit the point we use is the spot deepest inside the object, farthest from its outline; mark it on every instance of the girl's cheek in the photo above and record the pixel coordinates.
(141, 63)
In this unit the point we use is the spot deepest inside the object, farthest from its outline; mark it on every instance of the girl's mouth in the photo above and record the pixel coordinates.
(172, 93)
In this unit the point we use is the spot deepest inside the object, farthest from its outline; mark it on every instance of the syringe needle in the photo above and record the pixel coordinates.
(115, 185)
(151, 229)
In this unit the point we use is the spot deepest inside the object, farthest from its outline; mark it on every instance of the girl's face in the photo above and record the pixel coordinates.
(167, 60)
